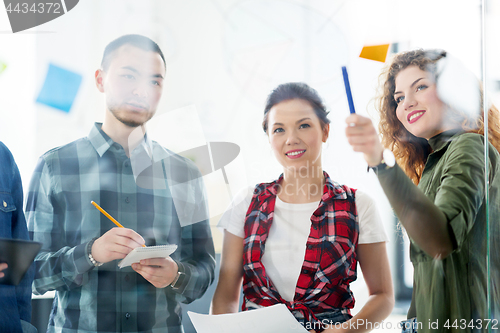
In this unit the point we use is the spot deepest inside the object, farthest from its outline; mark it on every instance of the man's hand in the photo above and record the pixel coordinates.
(2, 267)
(160, 272)
(363, 138)
(115, 244)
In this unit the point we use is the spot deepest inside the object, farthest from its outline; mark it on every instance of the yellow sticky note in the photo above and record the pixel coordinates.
(375, 52)
(3, 66)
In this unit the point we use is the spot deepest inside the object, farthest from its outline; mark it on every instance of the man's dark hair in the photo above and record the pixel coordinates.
(139, 41)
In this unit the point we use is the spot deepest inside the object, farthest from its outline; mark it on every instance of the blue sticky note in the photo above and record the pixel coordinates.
(60, 88)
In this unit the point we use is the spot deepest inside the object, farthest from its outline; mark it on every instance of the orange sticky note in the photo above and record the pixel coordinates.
(375, 52)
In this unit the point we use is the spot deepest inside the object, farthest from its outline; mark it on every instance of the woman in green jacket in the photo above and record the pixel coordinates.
(433, 173)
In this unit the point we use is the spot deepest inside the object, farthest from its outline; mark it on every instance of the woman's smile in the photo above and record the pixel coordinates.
(295, 153)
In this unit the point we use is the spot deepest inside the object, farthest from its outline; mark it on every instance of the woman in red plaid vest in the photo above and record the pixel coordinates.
(297, 240)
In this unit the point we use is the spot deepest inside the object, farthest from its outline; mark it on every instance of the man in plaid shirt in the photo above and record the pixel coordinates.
(135, 180)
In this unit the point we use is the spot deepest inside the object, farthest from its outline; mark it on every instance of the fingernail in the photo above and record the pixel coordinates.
(352, 124)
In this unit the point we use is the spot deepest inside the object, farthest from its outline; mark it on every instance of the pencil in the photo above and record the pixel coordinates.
(109, 216)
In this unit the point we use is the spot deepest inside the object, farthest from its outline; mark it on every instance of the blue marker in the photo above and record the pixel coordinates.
(348, 90)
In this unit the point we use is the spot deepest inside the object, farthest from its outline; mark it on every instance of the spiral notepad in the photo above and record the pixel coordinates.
(137, 254)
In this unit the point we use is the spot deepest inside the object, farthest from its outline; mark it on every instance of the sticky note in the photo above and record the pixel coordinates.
(3, 66)
(375, 52)
(60, 88)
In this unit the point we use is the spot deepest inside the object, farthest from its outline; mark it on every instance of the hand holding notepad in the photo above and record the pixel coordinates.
(140, 253)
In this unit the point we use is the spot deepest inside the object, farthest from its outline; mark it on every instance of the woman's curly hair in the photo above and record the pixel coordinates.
(411, 152)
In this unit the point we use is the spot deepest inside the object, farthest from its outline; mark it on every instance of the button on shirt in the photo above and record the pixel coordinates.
(59, 213)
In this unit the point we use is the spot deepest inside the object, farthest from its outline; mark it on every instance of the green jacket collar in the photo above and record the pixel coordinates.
(442, 140)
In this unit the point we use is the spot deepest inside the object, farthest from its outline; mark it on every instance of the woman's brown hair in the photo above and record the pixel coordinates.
(411, 152)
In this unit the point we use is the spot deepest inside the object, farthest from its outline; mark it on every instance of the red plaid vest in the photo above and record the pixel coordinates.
(330, 258)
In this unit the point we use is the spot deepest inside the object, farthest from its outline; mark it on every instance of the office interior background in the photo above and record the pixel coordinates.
(223, 59)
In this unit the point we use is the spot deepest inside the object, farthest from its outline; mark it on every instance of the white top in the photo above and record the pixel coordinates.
(286, 242)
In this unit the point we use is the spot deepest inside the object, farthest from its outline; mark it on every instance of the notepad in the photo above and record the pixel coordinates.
(137, 254)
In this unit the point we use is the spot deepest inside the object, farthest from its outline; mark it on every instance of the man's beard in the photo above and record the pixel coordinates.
(130, 123)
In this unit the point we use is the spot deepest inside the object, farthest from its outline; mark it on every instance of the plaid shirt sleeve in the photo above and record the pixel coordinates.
(58, 266)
